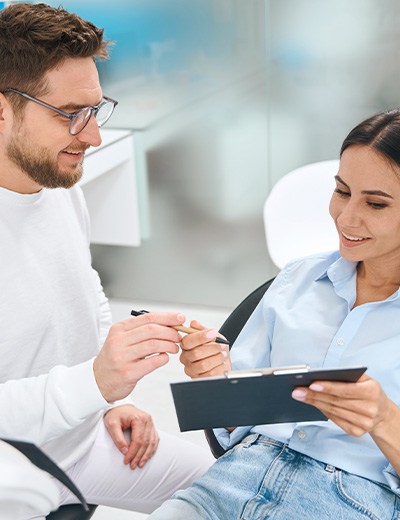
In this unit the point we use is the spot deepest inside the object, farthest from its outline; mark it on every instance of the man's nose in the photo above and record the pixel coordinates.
(90, 134)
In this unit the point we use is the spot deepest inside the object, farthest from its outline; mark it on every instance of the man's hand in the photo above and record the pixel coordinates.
(201, 356)
(133, 348)
(143, 435)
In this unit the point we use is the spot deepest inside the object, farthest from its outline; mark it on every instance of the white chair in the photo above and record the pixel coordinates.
(296, 213)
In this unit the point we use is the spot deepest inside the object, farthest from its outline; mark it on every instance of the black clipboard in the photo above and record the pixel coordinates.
(250, 397)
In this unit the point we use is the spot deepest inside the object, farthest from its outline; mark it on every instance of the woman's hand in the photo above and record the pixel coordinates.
(357, 408)
(143, 435)
(201, 356)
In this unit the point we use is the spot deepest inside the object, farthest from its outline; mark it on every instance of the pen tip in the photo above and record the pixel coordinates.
(222, 340)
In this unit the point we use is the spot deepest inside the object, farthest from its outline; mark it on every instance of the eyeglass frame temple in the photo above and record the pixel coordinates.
(71, 117)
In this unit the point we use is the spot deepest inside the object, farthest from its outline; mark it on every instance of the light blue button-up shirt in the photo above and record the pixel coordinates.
(306, 317)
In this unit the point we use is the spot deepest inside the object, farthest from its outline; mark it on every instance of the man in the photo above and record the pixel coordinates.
(56, 384)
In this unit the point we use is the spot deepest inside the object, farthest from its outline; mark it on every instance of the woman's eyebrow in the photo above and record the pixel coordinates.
(377, 192)
(365, 192)
(339, 179)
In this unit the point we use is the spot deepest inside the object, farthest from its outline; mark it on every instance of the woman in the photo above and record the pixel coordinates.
(328, 310)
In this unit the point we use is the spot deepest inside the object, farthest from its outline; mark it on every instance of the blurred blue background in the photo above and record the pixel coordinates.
(156, 37)
(224, 97)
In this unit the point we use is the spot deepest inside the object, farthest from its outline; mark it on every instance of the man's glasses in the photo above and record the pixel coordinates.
(78, 120)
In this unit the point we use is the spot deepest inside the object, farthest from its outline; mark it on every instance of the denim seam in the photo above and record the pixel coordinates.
(280, 491)
(270, 442)
(351, 501)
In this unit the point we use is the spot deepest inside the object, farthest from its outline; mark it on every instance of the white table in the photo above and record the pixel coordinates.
(110, 188)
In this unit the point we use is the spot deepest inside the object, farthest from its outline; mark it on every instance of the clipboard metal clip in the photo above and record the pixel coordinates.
(275, 371)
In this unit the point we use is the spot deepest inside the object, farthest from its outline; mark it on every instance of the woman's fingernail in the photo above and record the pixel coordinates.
(224, 353)
(211, 334)
(124, 451)
(316, 387)
(299, 394)
(181, 317)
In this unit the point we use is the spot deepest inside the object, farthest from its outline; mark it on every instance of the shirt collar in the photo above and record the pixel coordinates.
(13, 197)
(336, 268)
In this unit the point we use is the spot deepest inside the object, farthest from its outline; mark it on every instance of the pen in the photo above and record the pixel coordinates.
(182, 328)
(269, 371)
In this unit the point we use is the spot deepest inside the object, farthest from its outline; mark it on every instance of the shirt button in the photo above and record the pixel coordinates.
(301, 434)
(340, 342)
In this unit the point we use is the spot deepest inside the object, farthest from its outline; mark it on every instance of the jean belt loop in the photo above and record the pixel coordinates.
(250, 440)
(330, 469)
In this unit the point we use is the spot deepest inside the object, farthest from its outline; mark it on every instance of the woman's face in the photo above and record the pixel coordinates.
(365, 206)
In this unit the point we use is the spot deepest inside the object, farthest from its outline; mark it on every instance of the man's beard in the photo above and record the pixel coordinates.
(39, 167)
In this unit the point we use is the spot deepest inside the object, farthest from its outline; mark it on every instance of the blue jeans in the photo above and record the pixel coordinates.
(263, 479)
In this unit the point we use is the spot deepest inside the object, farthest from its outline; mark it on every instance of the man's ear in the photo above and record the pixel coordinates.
(2, 102)
(5, 111)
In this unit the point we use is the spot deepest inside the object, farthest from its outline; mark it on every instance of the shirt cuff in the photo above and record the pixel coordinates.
(228, 439)
(122, 402)
(392, 478)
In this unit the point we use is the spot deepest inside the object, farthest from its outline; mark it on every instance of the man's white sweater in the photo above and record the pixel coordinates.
(54, 318)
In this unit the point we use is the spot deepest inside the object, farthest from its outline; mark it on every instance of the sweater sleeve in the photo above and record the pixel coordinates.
(81, 210)
(45, 407)
(104, 310)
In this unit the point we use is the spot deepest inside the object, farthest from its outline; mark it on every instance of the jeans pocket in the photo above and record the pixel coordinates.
(369, 498)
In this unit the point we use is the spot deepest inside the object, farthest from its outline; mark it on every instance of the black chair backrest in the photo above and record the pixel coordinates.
(42, 461)
(237, 319)
(72, 512)
(231, 329)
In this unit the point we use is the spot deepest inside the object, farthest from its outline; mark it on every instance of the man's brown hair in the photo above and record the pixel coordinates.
(34, 38)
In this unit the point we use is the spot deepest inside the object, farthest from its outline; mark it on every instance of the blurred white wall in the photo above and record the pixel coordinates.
(224, 97)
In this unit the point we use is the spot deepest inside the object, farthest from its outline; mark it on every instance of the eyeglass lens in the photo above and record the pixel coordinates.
(81, 119)
(104, 113)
